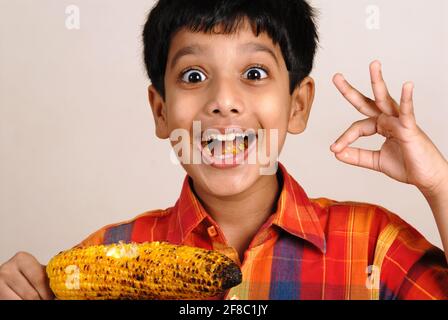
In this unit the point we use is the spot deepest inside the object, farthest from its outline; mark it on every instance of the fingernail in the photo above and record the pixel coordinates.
(410, 84)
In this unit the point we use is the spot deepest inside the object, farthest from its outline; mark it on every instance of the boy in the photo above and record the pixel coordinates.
(237, 66)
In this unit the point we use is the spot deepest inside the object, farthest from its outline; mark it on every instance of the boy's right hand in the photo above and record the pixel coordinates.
(24, 278)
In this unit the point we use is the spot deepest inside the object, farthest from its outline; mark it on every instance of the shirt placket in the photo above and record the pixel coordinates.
(219, 244)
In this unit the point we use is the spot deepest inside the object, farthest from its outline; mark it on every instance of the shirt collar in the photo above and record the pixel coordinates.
(294, 212)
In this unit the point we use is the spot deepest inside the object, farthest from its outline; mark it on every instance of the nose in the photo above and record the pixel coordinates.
(225, 111)
(226, 100)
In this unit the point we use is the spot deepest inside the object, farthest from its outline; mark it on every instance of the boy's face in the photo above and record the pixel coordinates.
(236, 80)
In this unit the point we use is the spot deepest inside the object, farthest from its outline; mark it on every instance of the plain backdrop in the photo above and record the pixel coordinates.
(77, 143)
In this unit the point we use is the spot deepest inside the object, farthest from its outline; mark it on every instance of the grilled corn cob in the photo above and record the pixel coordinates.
(151, 270)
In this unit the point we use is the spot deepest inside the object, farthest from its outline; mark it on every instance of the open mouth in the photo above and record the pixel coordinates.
(227, 145)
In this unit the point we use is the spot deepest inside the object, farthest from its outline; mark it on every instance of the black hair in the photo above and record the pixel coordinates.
(290, 23)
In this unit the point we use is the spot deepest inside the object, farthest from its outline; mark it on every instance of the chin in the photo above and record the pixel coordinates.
(224, 182)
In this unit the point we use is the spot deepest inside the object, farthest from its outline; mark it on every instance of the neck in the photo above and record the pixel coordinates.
(240, 216)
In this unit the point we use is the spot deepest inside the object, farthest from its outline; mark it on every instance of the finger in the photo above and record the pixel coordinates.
(21, 286)
(407, 115)
(382, 97)
(391, 127)
(36, 275)
(361, 128)
(360, 158)
(6, 293)
(362, 103)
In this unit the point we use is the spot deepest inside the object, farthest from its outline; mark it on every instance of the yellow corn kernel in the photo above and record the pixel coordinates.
(151, 270)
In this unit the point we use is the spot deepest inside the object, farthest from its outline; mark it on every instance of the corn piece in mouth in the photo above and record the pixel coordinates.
(237, 146)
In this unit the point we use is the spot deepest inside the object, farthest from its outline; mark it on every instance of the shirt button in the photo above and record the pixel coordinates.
(212, 231)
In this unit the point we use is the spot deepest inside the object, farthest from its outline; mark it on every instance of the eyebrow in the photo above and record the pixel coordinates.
(192, 49)
(196, 49)
(258, 47)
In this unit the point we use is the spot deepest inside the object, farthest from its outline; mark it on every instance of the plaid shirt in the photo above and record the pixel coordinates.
(308, 249)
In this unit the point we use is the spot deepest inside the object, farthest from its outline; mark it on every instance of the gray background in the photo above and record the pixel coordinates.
(77, 143)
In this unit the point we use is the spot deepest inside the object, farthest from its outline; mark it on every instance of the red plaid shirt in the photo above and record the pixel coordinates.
(308, 249)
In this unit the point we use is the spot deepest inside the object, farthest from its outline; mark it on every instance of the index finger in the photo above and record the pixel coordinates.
(362, 103)
(37, 276)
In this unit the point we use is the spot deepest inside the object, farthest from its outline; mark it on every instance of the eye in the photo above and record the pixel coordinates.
(256, 73)
(192, 76)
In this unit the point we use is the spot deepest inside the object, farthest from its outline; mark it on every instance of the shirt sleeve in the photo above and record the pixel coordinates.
(427, 278)
(93, 239)
(412, 268)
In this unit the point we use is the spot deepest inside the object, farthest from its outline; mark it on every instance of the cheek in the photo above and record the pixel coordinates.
(182, 109)
(273, 114)
(274, 104)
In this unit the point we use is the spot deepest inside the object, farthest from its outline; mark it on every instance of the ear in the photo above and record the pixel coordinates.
(301, 101)
(159, 112)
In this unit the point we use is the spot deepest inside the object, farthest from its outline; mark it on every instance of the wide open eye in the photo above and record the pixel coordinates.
(193, 76)
(256, 73)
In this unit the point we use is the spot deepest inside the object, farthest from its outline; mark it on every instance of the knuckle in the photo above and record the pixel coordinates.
(358, 123)
(21, 255)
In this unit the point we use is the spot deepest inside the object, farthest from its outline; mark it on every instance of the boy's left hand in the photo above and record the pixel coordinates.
(407, 155)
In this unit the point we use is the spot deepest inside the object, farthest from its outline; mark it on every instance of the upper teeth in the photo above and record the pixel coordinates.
(225, 137)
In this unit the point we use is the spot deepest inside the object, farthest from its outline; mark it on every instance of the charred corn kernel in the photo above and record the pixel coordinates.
(236, 149)
(151, 270)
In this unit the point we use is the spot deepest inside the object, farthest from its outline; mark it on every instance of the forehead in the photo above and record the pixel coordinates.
(244, 40)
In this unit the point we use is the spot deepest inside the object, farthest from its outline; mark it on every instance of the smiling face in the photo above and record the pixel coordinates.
(229, 81)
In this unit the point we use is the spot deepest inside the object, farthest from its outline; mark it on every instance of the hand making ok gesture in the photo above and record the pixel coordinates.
(407, 155)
